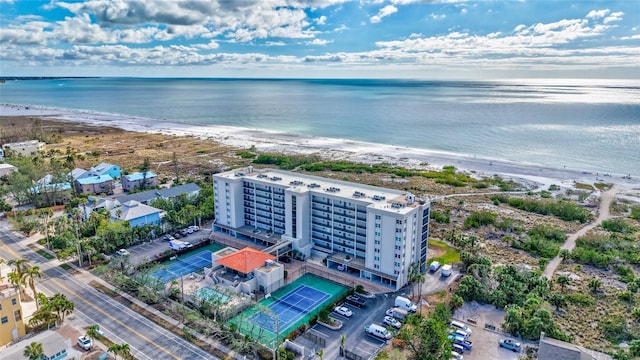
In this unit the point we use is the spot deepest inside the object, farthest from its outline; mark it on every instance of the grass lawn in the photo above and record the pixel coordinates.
(448, 255)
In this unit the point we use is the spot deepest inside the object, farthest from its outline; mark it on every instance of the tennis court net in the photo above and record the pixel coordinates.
(290, 305)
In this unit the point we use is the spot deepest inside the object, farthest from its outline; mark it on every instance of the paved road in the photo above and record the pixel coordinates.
(570, 243)
(146, 339)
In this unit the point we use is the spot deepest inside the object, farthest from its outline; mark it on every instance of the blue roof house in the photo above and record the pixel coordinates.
(106, 169)
(96, 184)
(137, 214)
(134, 180)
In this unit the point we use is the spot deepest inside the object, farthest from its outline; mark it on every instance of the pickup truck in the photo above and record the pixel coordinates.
(356, 300)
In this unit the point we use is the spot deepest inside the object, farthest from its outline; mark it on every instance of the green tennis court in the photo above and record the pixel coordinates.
(288, 308)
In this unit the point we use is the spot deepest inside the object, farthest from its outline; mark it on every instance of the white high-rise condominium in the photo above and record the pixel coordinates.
(373, 232)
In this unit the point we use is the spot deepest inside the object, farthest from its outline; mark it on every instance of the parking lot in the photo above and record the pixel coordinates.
(147, 250)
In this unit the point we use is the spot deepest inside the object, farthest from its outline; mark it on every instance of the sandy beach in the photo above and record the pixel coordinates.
(337, 149)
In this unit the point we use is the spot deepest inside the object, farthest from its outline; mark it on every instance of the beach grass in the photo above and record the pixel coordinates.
(450, 255)
(583, 186)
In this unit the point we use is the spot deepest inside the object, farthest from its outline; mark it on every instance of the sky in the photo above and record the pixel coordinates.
(426, 39)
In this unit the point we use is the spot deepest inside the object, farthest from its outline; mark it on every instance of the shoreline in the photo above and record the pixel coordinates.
(331, 148)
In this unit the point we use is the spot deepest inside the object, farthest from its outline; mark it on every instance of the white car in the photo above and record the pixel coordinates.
(85, 342)
(123, 252)
(343, 310)
(389, 312)
(388, 320)
(194, 228)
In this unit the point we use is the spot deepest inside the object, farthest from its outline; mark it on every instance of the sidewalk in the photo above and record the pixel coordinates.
(86, 277)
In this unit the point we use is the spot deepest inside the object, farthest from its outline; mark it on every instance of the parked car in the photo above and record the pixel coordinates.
(168, 238)
(389, 312)
(461, 326)
(284, 259)
(194, 228)
(388, 320)
(509, 344)
(186, 231)
(356, 300)
(434, 266)
(456, 356)
(123, 252)
(85, 342)
(177, 235)
(343, 310)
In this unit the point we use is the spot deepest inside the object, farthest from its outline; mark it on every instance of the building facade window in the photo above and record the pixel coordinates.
(4, 320)
(14, 301)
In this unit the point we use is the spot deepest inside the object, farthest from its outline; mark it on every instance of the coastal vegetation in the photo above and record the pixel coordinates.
(500, 240)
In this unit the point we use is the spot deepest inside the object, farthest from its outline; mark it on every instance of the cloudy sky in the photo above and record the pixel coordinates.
(321, 38)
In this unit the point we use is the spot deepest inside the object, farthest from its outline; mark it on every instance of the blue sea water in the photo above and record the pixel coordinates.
(590, 125)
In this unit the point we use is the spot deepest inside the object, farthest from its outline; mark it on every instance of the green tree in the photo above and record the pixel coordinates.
(635, 314)
(426, 337)
(17, 279)
(34, 351)
(93, 331)
(61, 306)
(563, 281)
(557, 300)
(634, 348)
(144, 169)
(30, 274)
(595, 284)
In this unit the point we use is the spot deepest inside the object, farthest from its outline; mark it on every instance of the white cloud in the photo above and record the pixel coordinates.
(211, 45)
(464, 11)
(384, 12)
(321, 20)
(437, 16)
(616, 16)
(320, 42)
(274, 43)
(597, 14)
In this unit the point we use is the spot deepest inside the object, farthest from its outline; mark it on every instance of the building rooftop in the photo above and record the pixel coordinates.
(132, 210)
(553, 349)
(138, 176)
(147, 196)
(245, 260)
(378, 197)
(96, 179)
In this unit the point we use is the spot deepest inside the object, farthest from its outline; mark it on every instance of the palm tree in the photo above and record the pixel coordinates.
(18, 279)
(321, 353)
(33, 351)
(29, 275)
(125, 350)
(93, 331)
(343, 340)
(61, 306)
(46, 215)
(1, 262)
(115, 349)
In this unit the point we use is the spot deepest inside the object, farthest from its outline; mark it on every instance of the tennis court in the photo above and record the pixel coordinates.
(290, 308)
(211, 295)
(194, 263)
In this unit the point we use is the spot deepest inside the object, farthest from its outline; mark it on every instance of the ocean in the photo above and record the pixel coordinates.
(588, 125)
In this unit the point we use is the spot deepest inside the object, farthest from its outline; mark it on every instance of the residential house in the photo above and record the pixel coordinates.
(146, 197)
(552, 349)
(95, 203)
(105, 169)
(137, 214)
(51, 190)
(78, 173)
(246, 270)
(23, 148)
(11, 317)
(96, 184)
(135, 180)
(54, 345)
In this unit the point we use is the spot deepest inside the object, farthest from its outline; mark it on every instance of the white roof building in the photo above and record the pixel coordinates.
(373, 232)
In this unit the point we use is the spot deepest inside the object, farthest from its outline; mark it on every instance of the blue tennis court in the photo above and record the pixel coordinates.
(290, 308)
(186, 266)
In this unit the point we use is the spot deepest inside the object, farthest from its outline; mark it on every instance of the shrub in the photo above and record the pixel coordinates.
(579, 299)
(480, 218)
(562, 209)
(439, 217)
(618, 225)
(635, 213)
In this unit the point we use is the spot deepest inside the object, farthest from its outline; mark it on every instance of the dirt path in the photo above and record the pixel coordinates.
(570, 243)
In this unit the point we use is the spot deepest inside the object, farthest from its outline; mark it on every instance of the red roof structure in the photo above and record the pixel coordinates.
(245, 260)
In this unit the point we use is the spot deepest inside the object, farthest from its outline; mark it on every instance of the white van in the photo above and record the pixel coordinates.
(406, 304)
(446, 270)
(378, 331)
(461, 326)
(177, 245)
(434, 266)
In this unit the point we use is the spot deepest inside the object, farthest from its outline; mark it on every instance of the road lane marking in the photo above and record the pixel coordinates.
(116, 320)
